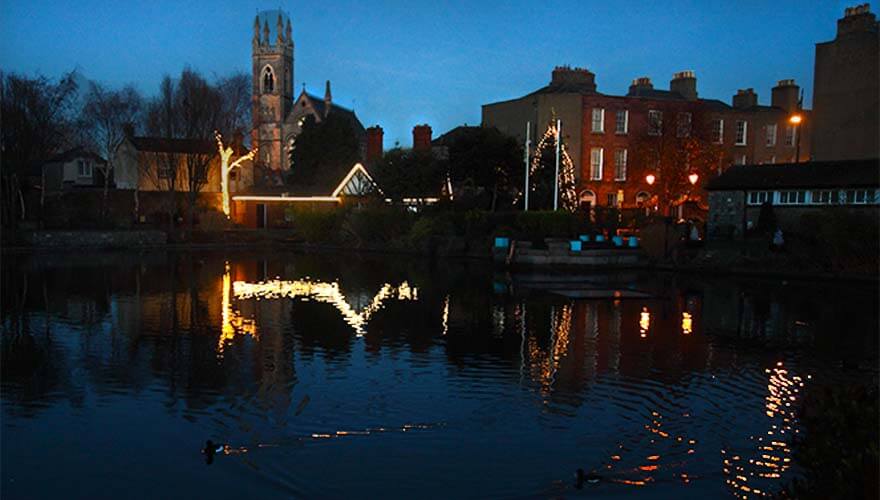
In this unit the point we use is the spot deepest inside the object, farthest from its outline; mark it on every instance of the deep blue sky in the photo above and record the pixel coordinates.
(400, 62)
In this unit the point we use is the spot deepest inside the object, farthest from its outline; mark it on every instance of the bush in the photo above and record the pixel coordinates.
(536, 225)
(377, 225)
(317, 225)
(840, 239)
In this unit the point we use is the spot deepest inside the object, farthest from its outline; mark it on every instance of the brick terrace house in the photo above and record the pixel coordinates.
(602, 131)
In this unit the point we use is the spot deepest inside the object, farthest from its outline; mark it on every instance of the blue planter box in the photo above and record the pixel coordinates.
(502, 242)
(575, 245)
(618, 241)
(600, 238)
(633, 242)
(585, 238)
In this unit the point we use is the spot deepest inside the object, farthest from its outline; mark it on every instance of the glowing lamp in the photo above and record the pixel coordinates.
(650, 179)
(693, 178)
(795, 119)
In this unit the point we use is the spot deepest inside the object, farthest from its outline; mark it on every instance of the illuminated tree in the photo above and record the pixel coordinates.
(543, 170)
(226, 167)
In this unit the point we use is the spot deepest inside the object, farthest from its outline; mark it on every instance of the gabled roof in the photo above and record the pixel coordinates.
(320, 107)
(815, 174)
(76, 153)
(453, 135)
(183, 146)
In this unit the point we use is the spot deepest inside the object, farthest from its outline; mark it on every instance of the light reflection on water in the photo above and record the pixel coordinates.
(324, 377)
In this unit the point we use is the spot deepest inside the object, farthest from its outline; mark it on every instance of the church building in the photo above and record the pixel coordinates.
(277, 116)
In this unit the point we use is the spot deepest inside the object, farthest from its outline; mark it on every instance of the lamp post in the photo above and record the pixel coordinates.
(796, 121)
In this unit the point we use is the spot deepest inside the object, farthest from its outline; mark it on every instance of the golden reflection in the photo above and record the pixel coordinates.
(644, 322)
(687, 323)
(543, 366)
(446, 315)
(232, 321)
(772, 455)
(328, 293)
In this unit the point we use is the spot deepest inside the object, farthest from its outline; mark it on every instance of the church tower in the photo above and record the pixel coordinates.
(272, 96)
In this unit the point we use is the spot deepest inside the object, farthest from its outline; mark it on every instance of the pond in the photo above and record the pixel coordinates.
(342, 375)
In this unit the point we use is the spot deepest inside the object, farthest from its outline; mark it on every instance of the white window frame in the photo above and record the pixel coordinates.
(683, 123)
(799, 195)
(741, 141)
(598, 126)
(596, 168)
(816, 196)
(851, 196)
(759, 197)
(84, 169)
(790, 136)
(620, 166)
(718, 138)
(617, 128)
(655, 126)
(770, 139)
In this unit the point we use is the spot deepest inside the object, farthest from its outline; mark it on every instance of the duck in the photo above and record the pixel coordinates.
(591, 478)
(210, 450)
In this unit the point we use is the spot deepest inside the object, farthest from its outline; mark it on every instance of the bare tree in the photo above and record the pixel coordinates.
(674, 146)
(199, 112)
(235, 95)
(106, 113)
(36, 118)
(161, 168)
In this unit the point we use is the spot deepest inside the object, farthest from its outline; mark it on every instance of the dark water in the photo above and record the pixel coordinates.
(344, 376)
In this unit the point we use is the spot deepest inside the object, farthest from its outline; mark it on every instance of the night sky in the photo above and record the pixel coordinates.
(398, 63)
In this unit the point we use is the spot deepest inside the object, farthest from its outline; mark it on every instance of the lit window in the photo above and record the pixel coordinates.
(620, 165)
(611, 198)
(790, 132)
(771, 135)
(596, 163)
(718, 131)
(621, 124)
(655, 122)
(684, 125)
(598, 120)
(742, 127)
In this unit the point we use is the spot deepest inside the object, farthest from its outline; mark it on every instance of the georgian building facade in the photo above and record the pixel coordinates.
(603, 132)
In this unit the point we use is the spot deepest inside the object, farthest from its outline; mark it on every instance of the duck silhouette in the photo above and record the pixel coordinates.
(582, 477)
(210, 450)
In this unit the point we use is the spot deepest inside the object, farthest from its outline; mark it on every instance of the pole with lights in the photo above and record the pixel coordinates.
(526, 160)
(796, 121)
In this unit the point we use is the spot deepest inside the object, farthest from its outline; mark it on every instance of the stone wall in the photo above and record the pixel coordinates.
(726, 212)
(98, 239)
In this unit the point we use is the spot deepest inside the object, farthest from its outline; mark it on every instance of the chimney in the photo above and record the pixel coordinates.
(581, 78)
(785, 95)
(640, 84)
(375, 136)
(745, 98)
(685, 83)
(422, 137)
(856, 19)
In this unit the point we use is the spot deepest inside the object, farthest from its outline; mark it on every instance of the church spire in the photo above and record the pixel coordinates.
(266, 33)
(256, 31)
(288, 33)
(279, 40)
(328, 98)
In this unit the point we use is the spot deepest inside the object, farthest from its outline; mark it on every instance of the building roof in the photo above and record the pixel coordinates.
(165, 145)
(76, 153)
(816, 174)
(319, 105)
(452, 135)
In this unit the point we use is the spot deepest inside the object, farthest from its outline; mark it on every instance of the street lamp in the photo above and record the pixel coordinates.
(796, 121)
(650, 179)
(693, 178)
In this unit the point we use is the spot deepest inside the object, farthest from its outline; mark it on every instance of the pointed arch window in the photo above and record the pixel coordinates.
(268, 80)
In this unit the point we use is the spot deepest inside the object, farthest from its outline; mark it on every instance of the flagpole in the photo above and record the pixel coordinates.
(556, 179)
(526, 160)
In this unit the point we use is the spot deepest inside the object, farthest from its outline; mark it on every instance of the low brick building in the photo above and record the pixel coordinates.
(736, 197)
